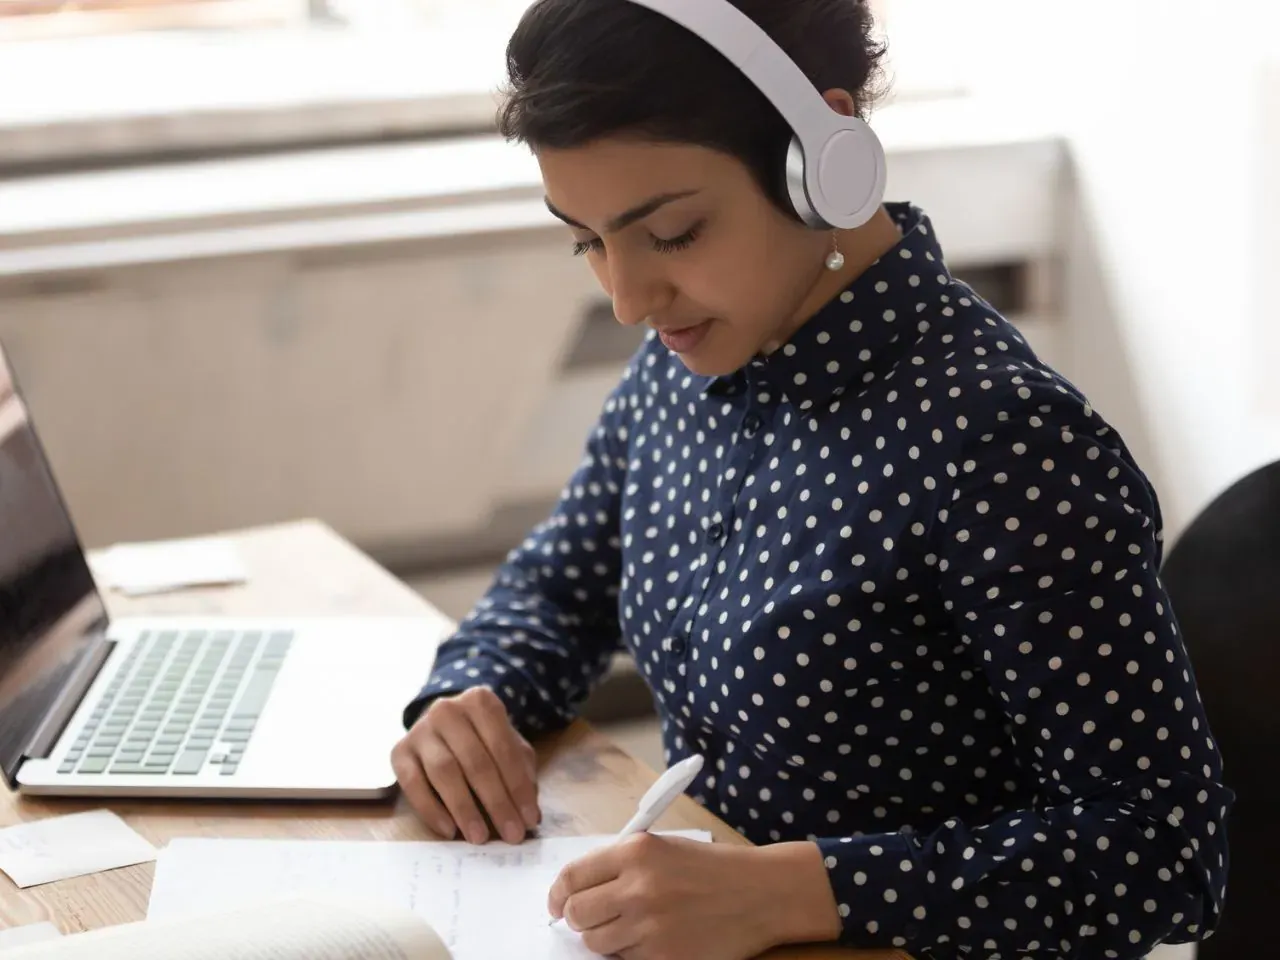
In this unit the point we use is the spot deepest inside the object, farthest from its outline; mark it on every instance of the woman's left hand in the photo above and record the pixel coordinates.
(669, 898)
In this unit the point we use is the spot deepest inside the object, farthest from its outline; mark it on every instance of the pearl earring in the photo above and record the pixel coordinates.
(835, 259)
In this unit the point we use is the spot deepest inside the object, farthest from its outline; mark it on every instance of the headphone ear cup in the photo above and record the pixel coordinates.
(849, 175)
(798, 188)
(783, 179)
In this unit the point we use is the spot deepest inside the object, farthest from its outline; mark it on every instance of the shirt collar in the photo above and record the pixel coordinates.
(852, 333)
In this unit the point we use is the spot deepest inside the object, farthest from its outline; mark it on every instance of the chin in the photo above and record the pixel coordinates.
(708, 366)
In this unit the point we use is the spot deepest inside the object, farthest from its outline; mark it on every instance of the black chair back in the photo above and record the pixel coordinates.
(1223, 577)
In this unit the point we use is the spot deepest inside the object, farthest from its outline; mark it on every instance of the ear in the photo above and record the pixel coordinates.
(841, 101)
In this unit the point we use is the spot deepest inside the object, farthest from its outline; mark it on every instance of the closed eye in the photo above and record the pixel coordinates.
(660, 244)
(677, 243)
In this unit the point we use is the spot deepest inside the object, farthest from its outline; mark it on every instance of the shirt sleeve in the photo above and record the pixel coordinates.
(1048, 555)
(546, 629)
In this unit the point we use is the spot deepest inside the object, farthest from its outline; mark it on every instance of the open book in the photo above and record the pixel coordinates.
(301, 929)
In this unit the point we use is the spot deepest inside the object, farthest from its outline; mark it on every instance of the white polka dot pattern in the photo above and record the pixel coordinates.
(898, 584)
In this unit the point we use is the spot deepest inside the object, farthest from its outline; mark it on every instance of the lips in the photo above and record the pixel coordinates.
(684, 339)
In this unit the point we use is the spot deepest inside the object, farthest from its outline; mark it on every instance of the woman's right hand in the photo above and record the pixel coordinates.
(463, 759)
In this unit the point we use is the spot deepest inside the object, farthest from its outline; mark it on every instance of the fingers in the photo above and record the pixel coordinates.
(480, 770)
(594, 907)
(613, 939)
(594, 870)
(447, 778)
(416, 789)
(513, 755)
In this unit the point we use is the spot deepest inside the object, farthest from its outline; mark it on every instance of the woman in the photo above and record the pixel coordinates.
(883, 568)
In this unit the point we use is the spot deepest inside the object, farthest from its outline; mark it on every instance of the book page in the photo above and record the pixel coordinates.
(485, 903)
(315, 929)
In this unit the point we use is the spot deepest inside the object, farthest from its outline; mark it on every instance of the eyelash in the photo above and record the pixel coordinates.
(673, 245)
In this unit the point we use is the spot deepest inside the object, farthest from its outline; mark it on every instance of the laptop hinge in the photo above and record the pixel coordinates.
(73, 692)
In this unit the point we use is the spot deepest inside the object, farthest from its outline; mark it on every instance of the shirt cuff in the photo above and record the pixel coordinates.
(880, 889)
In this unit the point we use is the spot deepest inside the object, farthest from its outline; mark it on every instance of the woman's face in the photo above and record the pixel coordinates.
(681, 238)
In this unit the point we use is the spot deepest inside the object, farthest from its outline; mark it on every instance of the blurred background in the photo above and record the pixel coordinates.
(265, 259)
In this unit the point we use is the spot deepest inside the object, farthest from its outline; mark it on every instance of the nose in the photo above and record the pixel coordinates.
(638, 293)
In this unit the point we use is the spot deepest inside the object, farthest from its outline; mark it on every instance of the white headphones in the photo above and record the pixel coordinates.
(835, 164)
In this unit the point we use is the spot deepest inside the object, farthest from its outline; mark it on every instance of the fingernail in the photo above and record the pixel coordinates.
(446, 829)
(476, 832)
(530, 814)
(513, 832)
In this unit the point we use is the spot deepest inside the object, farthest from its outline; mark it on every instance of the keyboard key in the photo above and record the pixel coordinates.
(255, 695)
(119, 768)
(93, 764)
(191, 761)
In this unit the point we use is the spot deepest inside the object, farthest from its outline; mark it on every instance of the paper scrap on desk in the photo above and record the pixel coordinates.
(483, 902)
(57, 848)
(143, 568)
(31, 933)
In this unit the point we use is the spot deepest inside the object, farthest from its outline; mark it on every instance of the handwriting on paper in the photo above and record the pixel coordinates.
(483, 902)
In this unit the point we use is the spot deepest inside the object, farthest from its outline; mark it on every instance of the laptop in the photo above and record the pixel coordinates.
(179, 707)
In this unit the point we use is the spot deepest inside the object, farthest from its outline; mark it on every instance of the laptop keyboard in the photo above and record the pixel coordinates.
(180, 700)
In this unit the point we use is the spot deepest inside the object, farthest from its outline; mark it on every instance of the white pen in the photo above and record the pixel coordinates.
(658, 798)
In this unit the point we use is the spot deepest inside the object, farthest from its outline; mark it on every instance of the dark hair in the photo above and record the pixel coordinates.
(580, 70)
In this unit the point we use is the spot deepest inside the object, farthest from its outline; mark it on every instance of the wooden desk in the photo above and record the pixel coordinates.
(588, 785)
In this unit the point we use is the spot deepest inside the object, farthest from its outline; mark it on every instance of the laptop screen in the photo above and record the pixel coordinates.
(50, 610)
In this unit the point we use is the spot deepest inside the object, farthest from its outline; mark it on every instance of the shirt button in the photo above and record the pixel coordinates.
(679, 644)
(715, 532)
(751, 423)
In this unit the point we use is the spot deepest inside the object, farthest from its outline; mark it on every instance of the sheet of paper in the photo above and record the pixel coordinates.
(56, 848)
(163, 565)
(31, 933)
(484, 902)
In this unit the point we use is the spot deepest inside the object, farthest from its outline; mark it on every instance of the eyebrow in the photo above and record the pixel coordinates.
(625, 219)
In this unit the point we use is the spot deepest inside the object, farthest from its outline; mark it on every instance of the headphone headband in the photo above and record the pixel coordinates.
(836, 164)
(741, 41)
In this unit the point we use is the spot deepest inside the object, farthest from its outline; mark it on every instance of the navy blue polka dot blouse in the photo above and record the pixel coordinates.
(897, 582)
